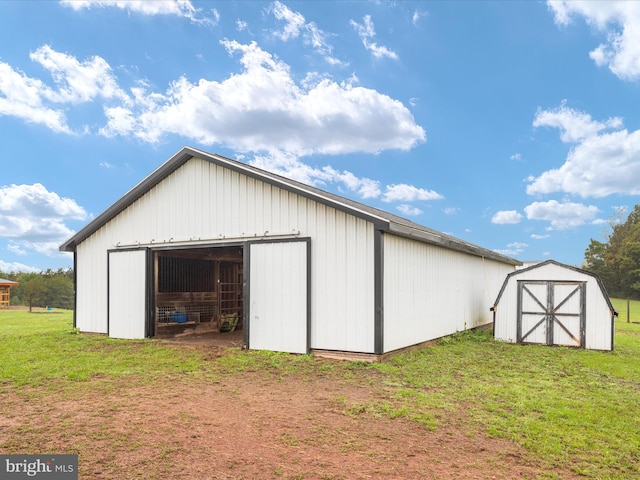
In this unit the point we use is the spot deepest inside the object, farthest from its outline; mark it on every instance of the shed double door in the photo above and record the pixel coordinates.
(551, 312)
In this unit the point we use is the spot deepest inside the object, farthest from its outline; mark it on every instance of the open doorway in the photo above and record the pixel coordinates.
(198, 290)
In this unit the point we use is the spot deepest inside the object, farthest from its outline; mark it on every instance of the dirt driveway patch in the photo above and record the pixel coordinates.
(251, 425)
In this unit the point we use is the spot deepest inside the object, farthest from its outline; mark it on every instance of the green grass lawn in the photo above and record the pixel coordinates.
(569, 408)
(43, 346)
(621, 307)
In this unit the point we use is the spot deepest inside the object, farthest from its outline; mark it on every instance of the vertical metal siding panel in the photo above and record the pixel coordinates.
(598, 321)
(323, 306)
(234, 205)
(346, 266)
(278, 202)
(251, 214)
(505, 323)
(195, 200)
(265, 206)
(204, 205)
(188, 193)
(342, 309)
(217, 196)
(430, 291)
(351, 274)
(91, 288)
(241, 203)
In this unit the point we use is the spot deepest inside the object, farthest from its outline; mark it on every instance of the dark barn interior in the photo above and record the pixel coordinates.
(198, 290)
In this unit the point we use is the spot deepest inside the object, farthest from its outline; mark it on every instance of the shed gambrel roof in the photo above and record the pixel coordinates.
(385, 221)
(568, 267)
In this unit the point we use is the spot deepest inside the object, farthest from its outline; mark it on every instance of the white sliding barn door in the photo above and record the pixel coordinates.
(127, 294)
(278, 314)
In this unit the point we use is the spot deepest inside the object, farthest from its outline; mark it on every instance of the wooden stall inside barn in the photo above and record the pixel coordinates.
(199, 289)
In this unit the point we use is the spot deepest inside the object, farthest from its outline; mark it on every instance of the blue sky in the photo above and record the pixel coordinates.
(511, 125)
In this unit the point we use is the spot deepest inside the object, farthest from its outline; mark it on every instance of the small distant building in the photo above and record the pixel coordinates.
(551, 303)
(5, 292)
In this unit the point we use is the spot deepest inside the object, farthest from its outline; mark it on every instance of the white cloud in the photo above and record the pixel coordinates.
(262, 109)
(536, 236)
(367, 32)
(365, 187)
(296, 26)
(21, 97)
(513, 249)
(28, 200)
(259, 110)
(408, 210)
(451, 210)
(505, 217)
(601, 163)
(417, 15)
(241, 25)
(516, 156)
(619, 21)
(17, 249)
(561, 216)
(573, 124)
(15, 267)
(290, 166)
(34, 218)
(294, 21)
(408, 193)
(178, 8)
(77, 82)
(598, 166)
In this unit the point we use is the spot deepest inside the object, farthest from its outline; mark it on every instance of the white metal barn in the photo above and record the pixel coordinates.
(554, 304)
(204, 238)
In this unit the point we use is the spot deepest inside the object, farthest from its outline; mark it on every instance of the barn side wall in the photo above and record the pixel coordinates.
(598, 316)
(203, 201)
(430, 291)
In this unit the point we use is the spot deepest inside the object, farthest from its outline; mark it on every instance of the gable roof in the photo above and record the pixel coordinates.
(558, 264)
(7, 283)
(384, 221)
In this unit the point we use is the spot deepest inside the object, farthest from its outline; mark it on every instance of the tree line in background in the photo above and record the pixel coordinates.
(617, 260)
(45, 289)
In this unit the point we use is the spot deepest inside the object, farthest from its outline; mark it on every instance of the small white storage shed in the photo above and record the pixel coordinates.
(204, 239)
(551, 303)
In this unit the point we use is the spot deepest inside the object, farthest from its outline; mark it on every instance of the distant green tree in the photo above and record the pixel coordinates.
(59, 291)
(617, 261)
(32, 289)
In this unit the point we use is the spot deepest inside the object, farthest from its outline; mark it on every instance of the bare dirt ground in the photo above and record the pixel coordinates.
(247, 426)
